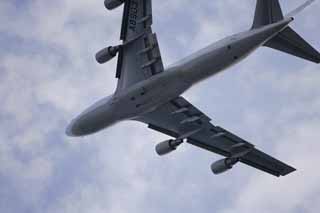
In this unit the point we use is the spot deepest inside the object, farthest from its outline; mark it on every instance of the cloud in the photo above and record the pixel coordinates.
(48, 75)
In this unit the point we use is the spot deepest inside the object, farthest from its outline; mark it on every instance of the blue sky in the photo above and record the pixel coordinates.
(48, 75)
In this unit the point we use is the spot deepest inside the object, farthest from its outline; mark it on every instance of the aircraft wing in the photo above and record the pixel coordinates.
(180, 119)
(139, 56)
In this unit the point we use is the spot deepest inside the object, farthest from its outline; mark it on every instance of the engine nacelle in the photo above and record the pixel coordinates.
(106, 54)
(223, 165)
(112, 4)
(168, 146)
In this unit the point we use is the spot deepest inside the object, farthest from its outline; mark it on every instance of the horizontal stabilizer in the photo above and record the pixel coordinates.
(290, 42)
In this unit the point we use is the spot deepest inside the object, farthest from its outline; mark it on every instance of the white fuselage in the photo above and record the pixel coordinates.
(149, 94)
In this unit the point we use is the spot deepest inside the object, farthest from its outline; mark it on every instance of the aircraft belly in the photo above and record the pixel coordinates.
(211, 64)
(151, 94)
(219, 58)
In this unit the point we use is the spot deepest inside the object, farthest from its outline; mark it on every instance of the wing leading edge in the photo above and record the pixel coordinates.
(179, 117)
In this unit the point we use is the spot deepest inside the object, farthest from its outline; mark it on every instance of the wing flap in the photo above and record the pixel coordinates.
(181, 103)
(266, 163)
(151, 55)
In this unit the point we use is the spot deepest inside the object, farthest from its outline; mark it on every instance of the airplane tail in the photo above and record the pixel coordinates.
(288, 41)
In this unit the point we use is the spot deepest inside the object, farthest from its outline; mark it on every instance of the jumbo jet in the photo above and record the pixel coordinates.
(149, 93)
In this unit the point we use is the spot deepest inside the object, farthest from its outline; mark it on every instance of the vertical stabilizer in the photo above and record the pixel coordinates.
(288, 41)
(267, 12)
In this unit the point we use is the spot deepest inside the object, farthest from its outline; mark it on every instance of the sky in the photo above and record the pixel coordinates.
(48, 75)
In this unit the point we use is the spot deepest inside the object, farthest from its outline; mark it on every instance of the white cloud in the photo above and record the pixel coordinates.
(48, 75)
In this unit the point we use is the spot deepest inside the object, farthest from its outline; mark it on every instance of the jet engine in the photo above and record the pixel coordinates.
(223, 165)
(167, 146)
(107, 54)
(112, 4)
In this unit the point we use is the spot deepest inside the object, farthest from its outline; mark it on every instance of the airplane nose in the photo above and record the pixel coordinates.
(69, 130)
(95, 118)
(74, 129)
(88, 124)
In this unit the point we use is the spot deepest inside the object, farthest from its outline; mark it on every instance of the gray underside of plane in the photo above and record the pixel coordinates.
(149, 93)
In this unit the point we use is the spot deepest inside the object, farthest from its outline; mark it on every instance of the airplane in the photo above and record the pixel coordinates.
(147, 92)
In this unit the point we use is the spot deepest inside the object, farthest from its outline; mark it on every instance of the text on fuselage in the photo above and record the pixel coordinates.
(133, 15)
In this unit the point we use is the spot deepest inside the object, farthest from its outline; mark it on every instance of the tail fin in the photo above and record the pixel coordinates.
(288, 41)
(267, 12)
